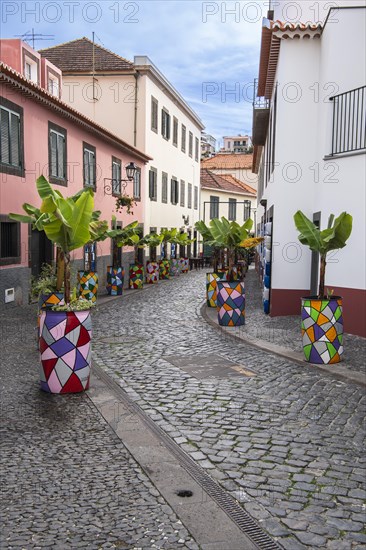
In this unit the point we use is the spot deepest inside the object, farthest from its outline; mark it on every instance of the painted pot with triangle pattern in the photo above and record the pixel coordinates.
(322, 329)
(65, 349)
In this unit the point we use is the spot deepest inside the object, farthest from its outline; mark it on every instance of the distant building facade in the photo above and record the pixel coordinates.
(237, 144)
(208, 145)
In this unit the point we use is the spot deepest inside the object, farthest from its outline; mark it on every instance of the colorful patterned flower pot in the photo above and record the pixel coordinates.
(115, 279)
(88, 285)
(65, 349)
(322, 329)
(231, 303)
(184, 265)
(211, 286)
(152, 272)
(136, 275)
(174, 267)
(47, 301)
(164, 269)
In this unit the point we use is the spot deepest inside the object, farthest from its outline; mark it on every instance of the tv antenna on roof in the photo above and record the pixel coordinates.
(32, 36)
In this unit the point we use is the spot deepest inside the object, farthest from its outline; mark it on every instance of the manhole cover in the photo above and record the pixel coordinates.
(208, 366)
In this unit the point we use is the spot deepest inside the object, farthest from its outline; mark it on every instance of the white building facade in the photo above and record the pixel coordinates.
(309, 152)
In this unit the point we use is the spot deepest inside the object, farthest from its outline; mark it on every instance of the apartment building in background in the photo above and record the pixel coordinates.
(310, 150)
(208, 145)
(41, 134)
(236, 144)
(135, 101)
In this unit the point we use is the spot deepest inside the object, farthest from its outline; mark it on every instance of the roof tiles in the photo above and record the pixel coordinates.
(226, 182)
(228, 161)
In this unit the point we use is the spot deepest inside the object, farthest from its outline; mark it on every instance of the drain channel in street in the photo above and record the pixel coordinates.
(246, 524)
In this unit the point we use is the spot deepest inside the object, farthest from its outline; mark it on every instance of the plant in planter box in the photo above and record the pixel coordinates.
(233, 239)
(65, 331)
(167, 236)
(116, 272)
(322, 319)
(182, 239)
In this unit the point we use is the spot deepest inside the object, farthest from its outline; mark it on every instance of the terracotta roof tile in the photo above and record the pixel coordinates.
(210, 180)
(77, 56)
(228, 161)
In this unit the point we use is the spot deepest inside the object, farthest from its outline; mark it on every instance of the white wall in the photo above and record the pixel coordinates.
(170, 159)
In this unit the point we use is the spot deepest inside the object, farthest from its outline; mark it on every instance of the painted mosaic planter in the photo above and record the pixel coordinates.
(174, 267)
(65, 349)
(115, 280)
(231, 303)
(164, 269)
(184, 265)
(211, 286)
(47, 301)
(152, 273)
(322, 329)
(88, 285)
(136, 276)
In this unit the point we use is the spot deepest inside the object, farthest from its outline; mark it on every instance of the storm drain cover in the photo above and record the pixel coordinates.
(208, 366)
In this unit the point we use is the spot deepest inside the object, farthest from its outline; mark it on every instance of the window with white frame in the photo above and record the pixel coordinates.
(116, 176)
(232, 209)
(137, 184)
(189, 198)
(190, 144)
(11, 138)
(30, 67)
(174, 190)
(57, 154)
(154, 114)
(89, 166)
(182, 192)
(184, 134)
(153, 191)
(165, 124)
(175, 131)
(164, 187)
(53, 86)
(195, 197)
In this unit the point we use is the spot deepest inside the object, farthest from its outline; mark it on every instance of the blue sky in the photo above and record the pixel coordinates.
(208, 50)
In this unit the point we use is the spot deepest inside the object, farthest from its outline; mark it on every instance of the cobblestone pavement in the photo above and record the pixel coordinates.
(66, 479)
(285, 331)
(285, 441)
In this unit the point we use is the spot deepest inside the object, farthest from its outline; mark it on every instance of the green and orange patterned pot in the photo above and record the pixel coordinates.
(152, 273)
(88, 285)
(322, 329)
(211, 286)
(164, 269)
(184, 265)
(136, 276)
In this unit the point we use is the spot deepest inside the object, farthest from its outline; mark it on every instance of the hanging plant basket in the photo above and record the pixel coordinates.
(125, 202)
(115, 280)
(322, 329)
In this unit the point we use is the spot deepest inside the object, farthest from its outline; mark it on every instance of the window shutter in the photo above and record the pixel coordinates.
(14, 140)
(4, 123)
(60, 156)
(53, 146)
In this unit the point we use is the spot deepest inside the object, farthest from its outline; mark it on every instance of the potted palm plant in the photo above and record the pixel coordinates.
(322, 315)
(234, 240)
(167, 236)
(217, 259)
(65, 330)
(116, 272)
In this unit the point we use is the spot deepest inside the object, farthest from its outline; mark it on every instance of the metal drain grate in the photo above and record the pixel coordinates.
(228, 504)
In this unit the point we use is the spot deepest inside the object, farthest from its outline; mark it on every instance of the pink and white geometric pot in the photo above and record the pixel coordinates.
(65, 348)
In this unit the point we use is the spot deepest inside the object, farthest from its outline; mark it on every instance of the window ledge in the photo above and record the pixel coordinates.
(348, 154)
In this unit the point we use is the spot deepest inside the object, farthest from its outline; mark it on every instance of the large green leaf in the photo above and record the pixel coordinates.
(44, 188)
(81, 217)
(21, 218)
(342, 229)
(309, 233)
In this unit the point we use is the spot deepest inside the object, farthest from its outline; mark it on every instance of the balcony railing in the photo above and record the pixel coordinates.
(349, 118)
(259, 102)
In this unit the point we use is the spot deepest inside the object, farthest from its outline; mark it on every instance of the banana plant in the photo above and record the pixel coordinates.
(131, 236)
(332, 238)
(217, 253)
(228, 236)
(65, 221)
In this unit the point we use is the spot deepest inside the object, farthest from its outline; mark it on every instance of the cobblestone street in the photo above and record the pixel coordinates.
(285, 441)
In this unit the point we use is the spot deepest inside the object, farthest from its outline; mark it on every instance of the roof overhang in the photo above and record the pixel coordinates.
(40, 95)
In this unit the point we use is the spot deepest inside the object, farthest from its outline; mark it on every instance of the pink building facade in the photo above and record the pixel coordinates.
(42, 135)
